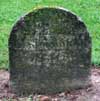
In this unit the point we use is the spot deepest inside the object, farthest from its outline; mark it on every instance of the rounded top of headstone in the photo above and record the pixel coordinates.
(58, 20)
(54, 10)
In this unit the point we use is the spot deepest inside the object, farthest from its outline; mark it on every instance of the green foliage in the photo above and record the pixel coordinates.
(11, 10)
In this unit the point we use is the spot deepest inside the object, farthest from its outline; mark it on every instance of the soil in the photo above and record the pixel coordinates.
(90, 93)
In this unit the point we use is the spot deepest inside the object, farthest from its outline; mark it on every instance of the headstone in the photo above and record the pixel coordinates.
(49, 52)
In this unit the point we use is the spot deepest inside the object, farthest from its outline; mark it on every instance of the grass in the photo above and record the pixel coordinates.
(11, 10)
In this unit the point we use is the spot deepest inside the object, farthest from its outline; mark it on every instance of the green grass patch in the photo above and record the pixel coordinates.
(11, 10)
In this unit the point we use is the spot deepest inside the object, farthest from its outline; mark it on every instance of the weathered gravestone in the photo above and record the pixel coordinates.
(49, 52)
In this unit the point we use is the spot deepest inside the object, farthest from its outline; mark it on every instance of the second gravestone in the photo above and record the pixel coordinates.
(49, 52)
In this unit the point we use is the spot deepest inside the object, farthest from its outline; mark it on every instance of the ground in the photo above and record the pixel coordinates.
(90, 93)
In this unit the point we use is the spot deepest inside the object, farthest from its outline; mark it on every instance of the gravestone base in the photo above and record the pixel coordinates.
(68, 85)
(22, 87)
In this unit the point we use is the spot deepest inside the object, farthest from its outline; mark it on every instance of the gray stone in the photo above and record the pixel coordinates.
(49, 52)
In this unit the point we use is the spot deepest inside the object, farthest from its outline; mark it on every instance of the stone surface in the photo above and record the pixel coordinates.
(49, 52)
